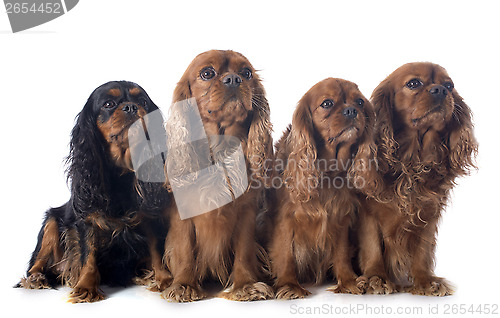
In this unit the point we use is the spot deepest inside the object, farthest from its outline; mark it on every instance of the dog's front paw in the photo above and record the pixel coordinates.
(36, 280)
(349, 286)
(183, 293)
(249, 292)
(431, 286)
(85, 295)
(380, 286)
(291, 291)
(155, 282)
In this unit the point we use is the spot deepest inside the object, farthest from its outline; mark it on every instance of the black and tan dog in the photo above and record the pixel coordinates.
(101, 234)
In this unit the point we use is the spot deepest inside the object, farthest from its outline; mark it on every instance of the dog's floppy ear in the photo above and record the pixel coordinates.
(301, 174)
(382, 100)
(259, 150)
(461, 143)
(364, 169)
(177, 126)
(183, 89)
(87, 165)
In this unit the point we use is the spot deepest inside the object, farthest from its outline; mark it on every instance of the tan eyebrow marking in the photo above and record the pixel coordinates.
(114, 92)
(134, 91)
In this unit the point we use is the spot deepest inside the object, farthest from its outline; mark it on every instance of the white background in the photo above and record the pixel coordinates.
(47, 73)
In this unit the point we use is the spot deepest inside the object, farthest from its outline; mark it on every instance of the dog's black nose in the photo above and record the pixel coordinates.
(231, 80)
(438, 92)
(130, 108)
(350, 112)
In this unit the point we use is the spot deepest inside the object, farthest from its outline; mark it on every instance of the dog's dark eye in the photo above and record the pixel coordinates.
(109, 104)
(414, 83)
(449, 86)
(207, 73)
(360, 102)
(246, 73)
(327, 103)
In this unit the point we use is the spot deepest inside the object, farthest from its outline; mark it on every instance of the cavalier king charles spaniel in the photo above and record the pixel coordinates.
(101, 235)
(326, 159)
(221, 243)
(425, 141)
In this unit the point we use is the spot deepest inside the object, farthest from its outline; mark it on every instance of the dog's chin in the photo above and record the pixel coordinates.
(348, 134)
(122, 146)
(122, 158)
(237, 104)
(229, 112)
(233, 105)
(435, 117)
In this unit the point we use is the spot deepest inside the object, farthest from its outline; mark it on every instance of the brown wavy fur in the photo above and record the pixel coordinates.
(313, 220)
(424, 143)
(221, 243)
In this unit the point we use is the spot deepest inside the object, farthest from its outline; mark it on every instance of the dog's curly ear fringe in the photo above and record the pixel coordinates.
(364, 172)
(462, 143)
(384, 132)
(182, 158)
(301, 174)
(87, 166)
(259, 150)
(177, 130)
